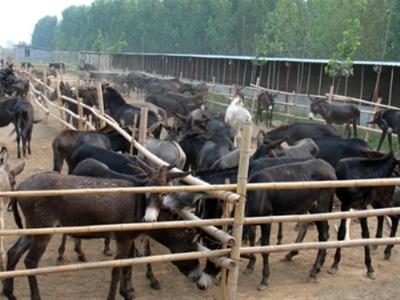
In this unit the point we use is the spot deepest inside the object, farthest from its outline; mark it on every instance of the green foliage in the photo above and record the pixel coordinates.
(292, 28)
(43, 33)
(341, 63)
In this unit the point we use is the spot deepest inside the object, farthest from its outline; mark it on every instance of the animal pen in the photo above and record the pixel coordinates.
(232, 194)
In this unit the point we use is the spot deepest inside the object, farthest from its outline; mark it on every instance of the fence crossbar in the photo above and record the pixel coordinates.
(201, 223)
(196, 255)
(210, 188)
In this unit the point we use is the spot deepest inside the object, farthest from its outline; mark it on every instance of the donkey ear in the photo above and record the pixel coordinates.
(18, 169)
(312, 99)
(3, 156)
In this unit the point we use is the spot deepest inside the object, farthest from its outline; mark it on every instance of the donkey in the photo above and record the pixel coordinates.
(21, 114)
(67, 140)
(280, 202)
(389, 121)
(336, 114)
(236, 114)
(363, 168)
(266, 102)
(94, 210)
(7, 183)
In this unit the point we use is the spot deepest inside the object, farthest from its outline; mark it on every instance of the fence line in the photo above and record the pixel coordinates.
(196, 222)
(117, 263)
(211, 188)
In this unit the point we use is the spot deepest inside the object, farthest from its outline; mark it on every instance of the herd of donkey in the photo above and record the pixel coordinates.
(200, 142)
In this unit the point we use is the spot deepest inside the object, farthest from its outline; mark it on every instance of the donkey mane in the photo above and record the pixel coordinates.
(115, 95)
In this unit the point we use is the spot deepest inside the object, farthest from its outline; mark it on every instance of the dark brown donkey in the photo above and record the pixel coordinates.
(84, 210)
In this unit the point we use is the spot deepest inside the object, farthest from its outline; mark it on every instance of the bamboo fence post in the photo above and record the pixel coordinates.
(330, 95)
(101, 103)
(143, 127)
(58, 91)
(81, 123)
(225, 229)
(378, 101)
(132, 146)
(239, 210)
(253, 100)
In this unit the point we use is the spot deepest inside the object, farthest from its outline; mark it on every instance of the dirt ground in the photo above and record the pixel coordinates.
(288, 280)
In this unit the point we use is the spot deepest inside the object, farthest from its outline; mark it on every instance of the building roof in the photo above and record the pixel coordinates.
(255, 58)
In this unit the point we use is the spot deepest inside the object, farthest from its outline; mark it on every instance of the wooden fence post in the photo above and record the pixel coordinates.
(81, 122)
(330, 95)
(143, 127)
(253, 100)
(132, 147)
(58, 91)
(101, 103)
(378, 101)
(226, 213)
(239, 210)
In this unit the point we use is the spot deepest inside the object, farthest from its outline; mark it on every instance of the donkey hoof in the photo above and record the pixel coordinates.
(248, 271)
(82, 258)
(155, 285)
(371, 275)
(312, 279)
(262, 287)
(287, 258)
(387, 255)
(60, 258)
(332, 271)
(107, 253)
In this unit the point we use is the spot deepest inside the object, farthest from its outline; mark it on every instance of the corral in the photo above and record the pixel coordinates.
(285, 269)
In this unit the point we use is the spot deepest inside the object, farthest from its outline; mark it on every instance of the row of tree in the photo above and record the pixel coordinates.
(284, 28)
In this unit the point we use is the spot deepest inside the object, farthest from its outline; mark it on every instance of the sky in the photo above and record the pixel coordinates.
(19, 17)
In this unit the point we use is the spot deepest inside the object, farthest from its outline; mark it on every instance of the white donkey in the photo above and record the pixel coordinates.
(7, 183)
(236, 114)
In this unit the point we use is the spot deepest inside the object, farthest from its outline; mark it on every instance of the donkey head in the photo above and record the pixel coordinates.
(12, 174)
(315, 107)
(161, 177)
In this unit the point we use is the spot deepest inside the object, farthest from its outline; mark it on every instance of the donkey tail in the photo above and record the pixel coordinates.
(17, 217)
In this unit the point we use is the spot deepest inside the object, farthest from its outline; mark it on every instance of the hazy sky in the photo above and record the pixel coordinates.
(18, 17)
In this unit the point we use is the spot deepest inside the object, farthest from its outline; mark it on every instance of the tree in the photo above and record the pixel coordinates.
(43, 34)
(341, 63)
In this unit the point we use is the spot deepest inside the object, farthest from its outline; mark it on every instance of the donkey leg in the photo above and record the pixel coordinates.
(78, 249)
(365, 235)
(355, 128)
(18, 133)
(390, 141)
(122, 252)
(36, 251)
(323, 235)
(383, 135)
(265, 240)
(154, 283)
(340, 237)
(303, 227)
(393, 230)
(379, 231)
(280, 234)
(126, 287)
(14, 254)
(107, 249)
(61, 248)
(29, 138)
(252, 258)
